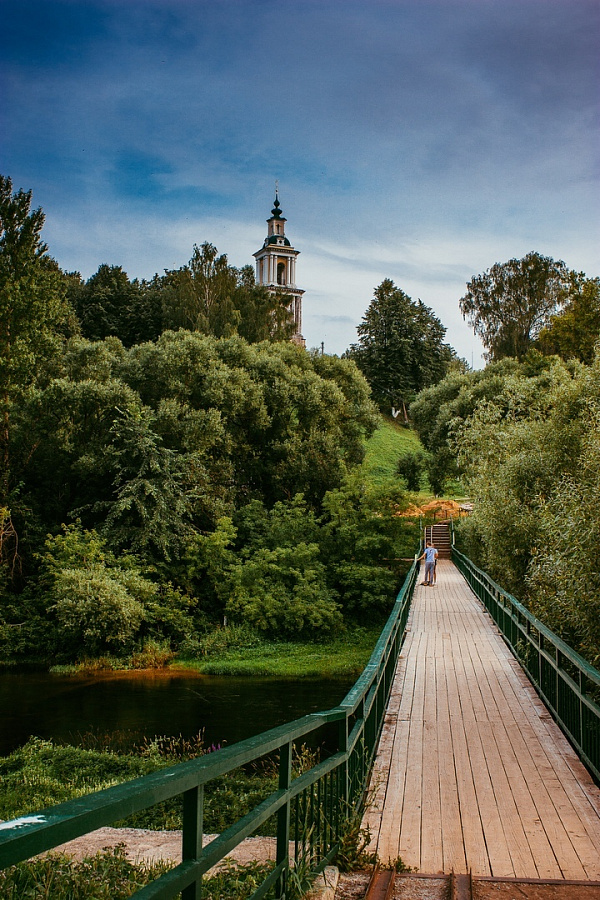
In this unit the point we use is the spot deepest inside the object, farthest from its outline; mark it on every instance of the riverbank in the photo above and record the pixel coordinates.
(231, 651)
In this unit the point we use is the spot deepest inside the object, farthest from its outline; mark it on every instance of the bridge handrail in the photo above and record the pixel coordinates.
(566, 682)
(320, 801)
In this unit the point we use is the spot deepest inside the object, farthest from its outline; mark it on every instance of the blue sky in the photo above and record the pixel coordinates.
(414, 140)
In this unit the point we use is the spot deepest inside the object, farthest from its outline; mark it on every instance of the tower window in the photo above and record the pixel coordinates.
(280, 273)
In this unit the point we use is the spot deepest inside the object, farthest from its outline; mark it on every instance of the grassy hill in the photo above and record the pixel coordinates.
(385, 447)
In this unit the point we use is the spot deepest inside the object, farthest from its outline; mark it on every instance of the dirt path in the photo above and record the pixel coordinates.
(151, 846)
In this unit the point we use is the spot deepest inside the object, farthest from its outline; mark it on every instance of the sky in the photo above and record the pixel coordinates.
(414, 140)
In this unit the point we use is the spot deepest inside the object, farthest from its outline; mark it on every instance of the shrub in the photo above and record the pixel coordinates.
(411, 467)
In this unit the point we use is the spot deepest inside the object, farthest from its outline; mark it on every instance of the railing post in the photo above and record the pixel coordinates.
(345, 773)
(580, 707)
(283, 816)
(193, 824)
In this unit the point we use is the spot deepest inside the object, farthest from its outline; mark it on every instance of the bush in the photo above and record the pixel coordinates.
(411, 467)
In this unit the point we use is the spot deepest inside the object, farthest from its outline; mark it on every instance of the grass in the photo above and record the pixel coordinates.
(385, 447)
(42, 774)
(109, 875)
(346, 654)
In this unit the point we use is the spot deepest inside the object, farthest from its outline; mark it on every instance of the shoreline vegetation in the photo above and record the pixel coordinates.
(341, 656)
(240, 648)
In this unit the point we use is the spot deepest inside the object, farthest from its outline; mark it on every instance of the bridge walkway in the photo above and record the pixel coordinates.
(472, 773)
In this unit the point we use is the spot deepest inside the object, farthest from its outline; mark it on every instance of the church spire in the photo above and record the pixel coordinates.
(276, 211)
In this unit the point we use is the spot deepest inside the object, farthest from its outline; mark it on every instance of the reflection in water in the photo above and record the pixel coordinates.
(145, 704)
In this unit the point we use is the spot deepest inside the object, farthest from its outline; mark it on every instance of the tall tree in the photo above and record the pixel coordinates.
(110, 305)
(212, 297)
(509, 304)
(401, 347)
(32, 312)
(201, 294)
(574, 332)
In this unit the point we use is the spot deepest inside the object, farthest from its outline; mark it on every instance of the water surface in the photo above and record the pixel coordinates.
(145, 704)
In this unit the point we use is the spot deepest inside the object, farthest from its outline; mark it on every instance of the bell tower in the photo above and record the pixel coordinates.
(276, 266)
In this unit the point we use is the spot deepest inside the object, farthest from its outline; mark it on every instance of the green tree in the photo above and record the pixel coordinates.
(563, 581)
(366, 543)
(509, 304)
(105, 303)
(99, 601)
(400, 349)
(33, 318)
(438, 412)
(200, 295)
(278, 582)
(210, 296)
(574, 332)
(263, 315)
(154, 489)
(514, 449)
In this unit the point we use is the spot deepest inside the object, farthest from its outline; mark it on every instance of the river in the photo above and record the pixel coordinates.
(135, 705)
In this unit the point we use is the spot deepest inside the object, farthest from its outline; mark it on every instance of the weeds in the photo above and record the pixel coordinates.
(153, 655)
(109, 875)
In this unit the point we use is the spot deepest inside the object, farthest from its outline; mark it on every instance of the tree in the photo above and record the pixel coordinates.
(509, 304)
(263, 315)
(110, 305)
(575, 331)
(210, 296)
(201, 293)
(32, 313)
(99, 601)
(400, 349)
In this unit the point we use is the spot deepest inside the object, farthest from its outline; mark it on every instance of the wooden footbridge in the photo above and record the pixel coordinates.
(472, 773)
(448, 743)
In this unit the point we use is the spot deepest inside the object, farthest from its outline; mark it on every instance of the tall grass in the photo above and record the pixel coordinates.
(109, 875)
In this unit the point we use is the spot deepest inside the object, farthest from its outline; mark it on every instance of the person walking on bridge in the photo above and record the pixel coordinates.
(430, 555)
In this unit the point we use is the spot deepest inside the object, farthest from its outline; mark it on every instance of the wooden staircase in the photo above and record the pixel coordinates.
(439, 535)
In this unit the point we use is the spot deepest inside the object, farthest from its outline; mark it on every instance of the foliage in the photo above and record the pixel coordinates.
(221, 640)
(278, 583)
(563, 580)
(105, 303)
(341, 654)
(574, 332)
(33, 319)
(99, 601)
(531, 458)
(510, 303)
(412, 467)
(354, 842)
(108, 875)
(366, 541)
(439, 411)
(41, 774)
(212, 297)
(400, 348)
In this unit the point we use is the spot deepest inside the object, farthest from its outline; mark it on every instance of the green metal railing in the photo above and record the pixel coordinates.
(312, 811)
(567, 684)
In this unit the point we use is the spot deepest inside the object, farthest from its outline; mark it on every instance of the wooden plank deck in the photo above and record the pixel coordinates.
(471, 772)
